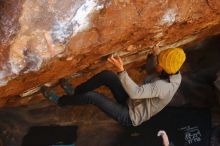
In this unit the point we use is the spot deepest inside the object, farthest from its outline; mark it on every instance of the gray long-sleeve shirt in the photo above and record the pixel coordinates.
(149, 99)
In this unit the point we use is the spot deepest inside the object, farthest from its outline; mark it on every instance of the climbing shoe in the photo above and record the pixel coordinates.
(67, 87)
(49, 94)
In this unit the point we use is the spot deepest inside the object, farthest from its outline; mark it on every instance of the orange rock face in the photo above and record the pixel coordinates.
(85, 32)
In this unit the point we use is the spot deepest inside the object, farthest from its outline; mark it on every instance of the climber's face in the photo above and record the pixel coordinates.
(159, 69)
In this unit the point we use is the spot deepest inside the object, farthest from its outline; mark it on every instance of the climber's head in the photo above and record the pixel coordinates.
(171, 60)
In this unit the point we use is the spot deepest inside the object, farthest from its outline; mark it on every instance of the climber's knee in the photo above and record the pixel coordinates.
(107, 74)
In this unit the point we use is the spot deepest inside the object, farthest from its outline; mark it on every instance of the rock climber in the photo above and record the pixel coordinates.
(134, 104)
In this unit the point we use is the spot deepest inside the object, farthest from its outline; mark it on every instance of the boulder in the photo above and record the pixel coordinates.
(84, 32)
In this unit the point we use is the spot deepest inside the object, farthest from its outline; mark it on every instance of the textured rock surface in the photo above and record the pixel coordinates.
(95, 127)
(85, 32)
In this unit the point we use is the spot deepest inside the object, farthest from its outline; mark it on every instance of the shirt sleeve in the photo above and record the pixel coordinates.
(150, 90)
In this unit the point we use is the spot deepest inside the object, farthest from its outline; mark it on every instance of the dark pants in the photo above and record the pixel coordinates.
(84, 95)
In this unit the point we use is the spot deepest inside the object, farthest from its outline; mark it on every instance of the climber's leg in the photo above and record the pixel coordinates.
(107, 78)
(116, 111)
(49, 94)
(68, 88)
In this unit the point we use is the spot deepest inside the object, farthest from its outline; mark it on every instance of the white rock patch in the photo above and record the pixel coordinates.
(169, 17)
(76, 22)
(62, 19)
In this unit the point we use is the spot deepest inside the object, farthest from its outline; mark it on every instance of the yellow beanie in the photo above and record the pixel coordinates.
(171, 59)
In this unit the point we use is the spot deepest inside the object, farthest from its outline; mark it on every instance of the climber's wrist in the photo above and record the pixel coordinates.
(120, 70)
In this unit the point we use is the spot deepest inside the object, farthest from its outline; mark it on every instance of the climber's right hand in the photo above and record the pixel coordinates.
(117, 62)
